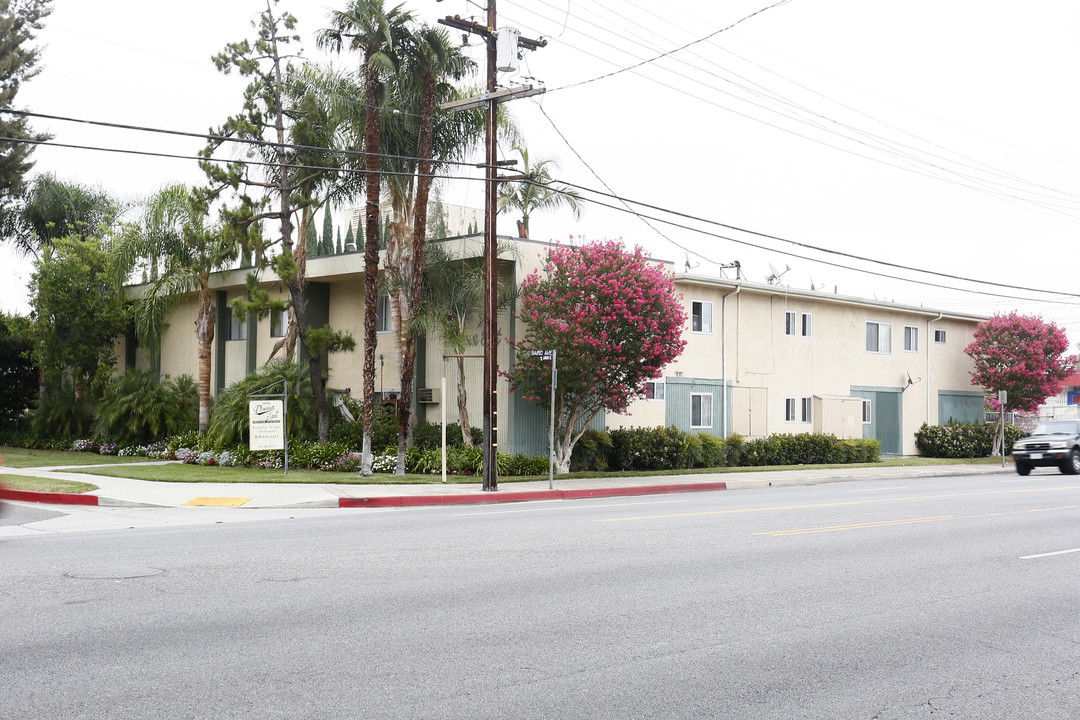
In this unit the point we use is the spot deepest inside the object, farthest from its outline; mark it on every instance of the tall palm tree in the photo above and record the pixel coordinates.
(185, 249)
(419, 137)
(537, 193)
(368, 27)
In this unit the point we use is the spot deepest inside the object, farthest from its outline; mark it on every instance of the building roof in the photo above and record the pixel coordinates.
(820, 296)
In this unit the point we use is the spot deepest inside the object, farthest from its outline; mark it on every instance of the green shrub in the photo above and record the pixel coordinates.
(735, 447)
(963, 440)
(713, 451)
(384, 432)
(60, 417)
(657, 448)
(229, 421)
(518, 464)
(590, 452)
(315, 455)
(463, 460)
(138, 408)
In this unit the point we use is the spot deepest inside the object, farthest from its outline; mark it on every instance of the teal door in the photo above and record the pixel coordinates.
(886, 417)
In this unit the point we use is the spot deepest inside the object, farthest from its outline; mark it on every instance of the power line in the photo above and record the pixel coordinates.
(870, 140)
(227, 138)
(258, 163)
(808, 247)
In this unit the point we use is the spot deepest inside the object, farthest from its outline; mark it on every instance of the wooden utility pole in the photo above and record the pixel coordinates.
(491, 260)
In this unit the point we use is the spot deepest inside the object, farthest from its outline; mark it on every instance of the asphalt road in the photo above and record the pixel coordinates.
(856, 600)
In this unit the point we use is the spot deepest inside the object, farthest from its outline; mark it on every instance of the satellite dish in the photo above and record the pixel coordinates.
(814, 287)
(774, 278)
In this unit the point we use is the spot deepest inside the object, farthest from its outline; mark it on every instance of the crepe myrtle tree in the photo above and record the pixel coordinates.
(1023, 355)
(614, 319)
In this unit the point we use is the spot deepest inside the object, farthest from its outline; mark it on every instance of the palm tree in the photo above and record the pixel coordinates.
(366, 26)
(184, 249)
(453, 308)
(428, 62)
(54, 209)
(536, 193)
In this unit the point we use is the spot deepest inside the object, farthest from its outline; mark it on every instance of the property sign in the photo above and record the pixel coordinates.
(266, 424)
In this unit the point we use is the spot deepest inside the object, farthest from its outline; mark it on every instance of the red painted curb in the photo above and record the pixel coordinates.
(54, 498)
(500, 497)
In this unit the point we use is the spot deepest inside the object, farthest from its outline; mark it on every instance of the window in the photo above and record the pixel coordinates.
(911, 339)
(789, 323)
(701, 410)
(879, 338)
(701, 316)
(236, 329)
(806, 409)
(654, 390)
(807, 325)
(866, 417)
(383, 321)
(939, 337)
(789, 409)
(279, 323)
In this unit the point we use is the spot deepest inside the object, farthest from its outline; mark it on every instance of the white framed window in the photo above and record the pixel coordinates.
(701, 410)
(807, 325)
(236, 329)
(789, 323)
(939, 337)
(701, 316)
(279, 323)
(879, 338)
(654, 390)
(382, 314)
(866, 416)
(806, 409)
(789, 409)
(911, 338)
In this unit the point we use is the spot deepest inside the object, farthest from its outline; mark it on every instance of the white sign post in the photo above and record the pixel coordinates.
(545, 355)
(267, 420)
(1003, 397)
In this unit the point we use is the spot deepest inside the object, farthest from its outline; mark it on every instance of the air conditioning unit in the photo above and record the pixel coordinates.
(429, 395)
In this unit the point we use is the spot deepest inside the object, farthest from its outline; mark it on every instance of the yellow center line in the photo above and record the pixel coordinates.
(844, 503)
(907, 521)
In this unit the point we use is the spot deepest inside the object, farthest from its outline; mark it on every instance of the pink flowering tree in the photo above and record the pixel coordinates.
(1022, 355)
(614, 319)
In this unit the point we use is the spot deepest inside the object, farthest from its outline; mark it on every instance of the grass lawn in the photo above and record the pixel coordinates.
(39, 484)
(22, 457)
(178, 472)
(200, 473)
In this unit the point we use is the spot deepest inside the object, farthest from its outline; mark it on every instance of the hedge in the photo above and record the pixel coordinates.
(963, 440)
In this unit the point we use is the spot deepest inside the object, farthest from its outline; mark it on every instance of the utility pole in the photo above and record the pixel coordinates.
(491, 200)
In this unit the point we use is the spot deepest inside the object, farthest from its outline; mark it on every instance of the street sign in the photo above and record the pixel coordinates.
(544, 355)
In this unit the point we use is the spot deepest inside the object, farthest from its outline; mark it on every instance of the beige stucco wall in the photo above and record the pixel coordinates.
(180, 346)
(832, 360)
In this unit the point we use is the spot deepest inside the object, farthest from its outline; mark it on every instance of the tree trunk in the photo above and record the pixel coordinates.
(414, 268)
(463, 405)
(371, 251)
(204, 332)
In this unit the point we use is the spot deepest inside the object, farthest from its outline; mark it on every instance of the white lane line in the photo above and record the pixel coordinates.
(1049, 554)
(578, 507)
(875, 489)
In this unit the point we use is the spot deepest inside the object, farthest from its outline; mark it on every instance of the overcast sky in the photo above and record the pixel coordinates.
(937, 136)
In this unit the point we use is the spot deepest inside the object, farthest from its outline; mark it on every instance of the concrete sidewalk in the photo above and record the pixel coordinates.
(126, 492)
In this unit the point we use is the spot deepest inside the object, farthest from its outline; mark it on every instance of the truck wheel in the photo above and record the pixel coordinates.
(1071, 464)
(1022, 468)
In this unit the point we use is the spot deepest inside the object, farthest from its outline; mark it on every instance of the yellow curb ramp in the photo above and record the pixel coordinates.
(217, 501)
